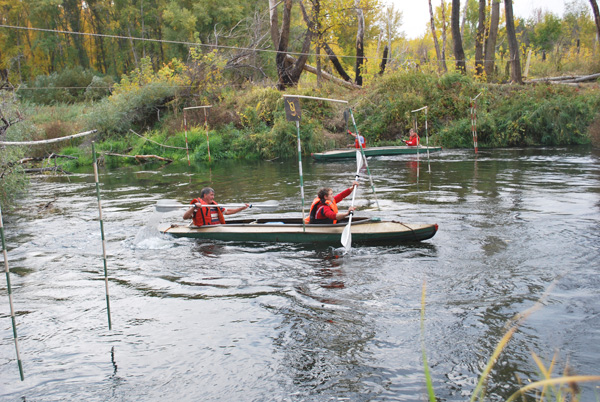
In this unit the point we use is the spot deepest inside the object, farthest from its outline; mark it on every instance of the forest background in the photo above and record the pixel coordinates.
(129, 68)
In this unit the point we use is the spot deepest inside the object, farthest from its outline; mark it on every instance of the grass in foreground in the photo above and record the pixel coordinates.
(559, 389)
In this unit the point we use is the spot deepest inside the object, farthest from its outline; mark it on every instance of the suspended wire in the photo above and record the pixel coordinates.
(173, 42)
(192, 44)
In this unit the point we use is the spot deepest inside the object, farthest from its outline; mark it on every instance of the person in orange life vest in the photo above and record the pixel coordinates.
(208, 215)
(413, 141)
(324, 208)
(358, 140)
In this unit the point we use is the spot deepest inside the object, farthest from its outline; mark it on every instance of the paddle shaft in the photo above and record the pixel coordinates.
(347, 233)
(365, 159)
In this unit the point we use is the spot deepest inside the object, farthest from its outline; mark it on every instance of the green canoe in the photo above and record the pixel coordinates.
(373, 151)
(364, 231)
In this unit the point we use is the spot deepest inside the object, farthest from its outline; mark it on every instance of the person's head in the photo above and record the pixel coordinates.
(412, 132)
(324, 193)
(207, 191)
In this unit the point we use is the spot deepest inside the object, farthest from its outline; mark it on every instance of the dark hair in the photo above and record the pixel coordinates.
(206, 190)
(323, 193)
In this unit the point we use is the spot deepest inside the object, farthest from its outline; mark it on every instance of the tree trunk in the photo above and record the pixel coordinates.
(459, 53)
(513, 44)
(383, 60)
(490, 43)
(274, 23)
(444, 35)
(435, 40)
(336, 63)
(360, 50)
(289, 75)
(596, 18)
(479, 39)
(73, 16)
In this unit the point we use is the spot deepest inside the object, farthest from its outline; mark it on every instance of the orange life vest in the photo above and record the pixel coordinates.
(413, 142)
(316, 201)
(204, 216)
(361, 139)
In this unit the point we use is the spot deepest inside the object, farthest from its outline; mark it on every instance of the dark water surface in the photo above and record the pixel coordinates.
(213, 321)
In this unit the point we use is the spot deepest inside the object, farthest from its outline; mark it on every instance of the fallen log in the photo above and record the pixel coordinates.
(43, 158)
(69, 137)
(140, 158)
(47, 169)
(324, 74)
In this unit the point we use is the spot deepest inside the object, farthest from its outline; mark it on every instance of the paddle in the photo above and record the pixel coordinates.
(347, 233)
(170, 205)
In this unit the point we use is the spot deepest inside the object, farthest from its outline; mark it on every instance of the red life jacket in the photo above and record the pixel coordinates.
(315, 211)
(413, 142)
(204, 216)
(362, 140)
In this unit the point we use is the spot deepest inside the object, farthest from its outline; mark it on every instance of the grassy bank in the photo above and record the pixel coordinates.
(249, 122)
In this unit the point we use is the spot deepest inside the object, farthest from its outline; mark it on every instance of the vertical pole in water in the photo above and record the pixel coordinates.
(206, 129)
(300, 170)
(474, 121)
(12, 309)
(102, 234)
(427, 142)
(186, 140)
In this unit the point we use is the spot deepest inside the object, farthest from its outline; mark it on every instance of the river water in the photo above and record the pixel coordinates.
(216, 321)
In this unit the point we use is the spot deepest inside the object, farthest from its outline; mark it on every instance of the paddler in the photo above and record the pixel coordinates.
(413, 141)
(324, 208)
(208, 215)
(359, 140)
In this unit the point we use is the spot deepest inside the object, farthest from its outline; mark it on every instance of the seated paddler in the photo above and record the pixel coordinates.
(203, 213)
(324, 208)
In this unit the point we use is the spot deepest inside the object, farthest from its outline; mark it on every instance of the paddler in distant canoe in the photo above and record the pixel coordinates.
(324, 208)
(208, 215)
(359, 140)
(414, 140)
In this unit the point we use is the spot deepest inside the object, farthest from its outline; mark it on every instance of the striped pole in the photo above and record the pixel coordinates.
(425, 108)
(362, 151)
(427, 143)
(300, 170)
(10, 301)
(102, 234)
(474, 121)
(206, 129)
(187, 150)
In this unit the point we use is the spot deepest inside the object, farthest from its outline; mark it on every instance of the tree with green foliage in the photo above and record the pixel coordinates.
(546, 34)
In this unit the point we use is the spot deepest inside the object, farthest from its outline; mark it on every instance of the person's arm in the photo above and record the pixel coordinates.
(189, 214)
(235, 210)
(342, 215)
(345, 193)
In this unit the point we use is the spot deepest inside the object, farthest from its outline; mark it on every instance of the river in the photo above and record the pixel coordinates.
(217, 321)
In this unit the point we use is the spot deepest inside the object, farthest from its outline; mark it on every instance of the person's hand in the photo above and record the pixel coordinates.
(247, 206)
(351, 209)
(355, 183)
(349, 132)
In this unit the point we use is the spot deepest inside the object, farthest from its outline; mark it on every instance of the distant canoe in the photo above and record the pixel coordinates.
(373, 151)
(364, 231)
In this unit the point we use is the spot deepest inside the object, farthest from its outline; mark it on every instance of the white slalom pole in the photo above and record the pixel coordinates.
(10, 301)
